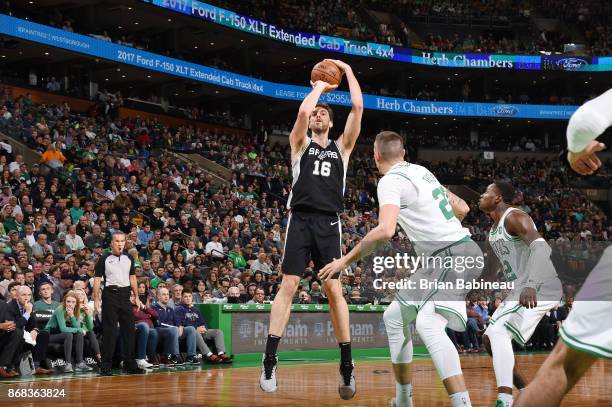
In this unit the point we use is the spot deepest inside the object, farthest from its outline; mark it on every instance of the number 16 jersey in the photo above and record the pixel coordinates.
(319, 175)
(426, 215)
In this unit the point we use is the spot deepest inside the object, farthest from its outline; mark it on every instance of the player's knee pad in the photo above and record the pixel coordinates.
(431, 329)
(398, 334)
(429, 324)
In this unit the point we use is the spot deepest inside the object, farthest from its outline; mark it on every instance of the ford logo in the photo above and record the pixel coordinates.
(505, 110)
(571, 64)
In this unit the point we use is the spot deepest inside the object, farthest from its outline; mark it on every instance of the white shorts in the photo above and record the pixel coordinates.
(521, 322)
(449, 303)
(518, 321)
(588, 328)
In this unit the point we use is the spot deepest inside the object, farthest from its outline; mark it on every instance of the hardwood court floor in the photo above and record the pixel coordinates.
(312, 385)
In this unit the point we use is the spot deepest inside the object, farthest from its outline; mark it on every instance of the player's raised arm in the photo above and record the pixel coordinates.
(297, 137)
(352, 128)
(585, 125)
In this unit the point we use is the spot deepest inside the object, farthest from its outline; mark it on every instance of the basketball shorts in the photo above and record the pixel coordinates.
(588, 327)
(521, 322)
(448, 302)
(311, 236)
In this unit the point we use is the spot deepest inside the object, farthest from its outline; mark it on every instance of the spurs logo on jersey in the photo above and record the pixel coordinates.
(322, 155)
(318, 178)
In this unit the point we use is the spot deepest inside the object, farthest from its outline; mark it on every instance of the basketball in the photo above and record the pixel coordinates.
(326, 71)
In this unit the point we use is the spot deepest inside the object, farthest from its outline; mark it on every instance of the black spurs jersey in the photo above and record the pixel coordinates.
(318, 179)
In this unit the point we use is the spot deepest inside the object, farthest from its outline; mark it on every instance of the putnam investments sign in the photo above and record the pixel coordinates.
(306, 331)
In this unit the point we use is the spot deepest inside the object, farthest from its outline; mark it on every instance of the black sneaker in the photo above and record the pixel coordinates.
(135, 370)
(226, 359)
(154, 361)
(192, 360)
(106, 371)
(176, 360)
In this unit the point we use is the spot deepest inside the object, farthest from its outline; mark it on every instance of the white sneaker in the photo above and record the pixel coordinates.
(143, 364)
(347, 387)
(267, 380)
(82, 366)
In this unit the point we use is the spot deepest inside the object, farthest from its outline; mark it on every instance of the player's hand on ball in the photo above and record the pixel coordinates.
(528, 298)
(331, 269)
(586, 162)
(326, 87)
(343, 66)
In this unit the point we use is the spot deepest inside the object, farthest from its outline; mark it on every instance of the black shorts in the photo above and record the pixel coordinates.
(311, 236)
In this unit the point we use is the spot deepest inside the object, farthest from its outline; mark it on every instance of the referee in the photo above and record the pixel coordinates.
(117, 268)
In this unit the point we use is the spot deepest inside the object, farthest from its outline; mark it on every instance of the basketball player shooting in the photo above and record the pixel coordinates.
(314, 231)
(586, 334)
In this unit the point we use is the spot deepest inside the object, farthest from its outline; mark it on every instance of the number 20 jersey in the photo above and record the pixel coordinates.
(319, 176)
(426, 215)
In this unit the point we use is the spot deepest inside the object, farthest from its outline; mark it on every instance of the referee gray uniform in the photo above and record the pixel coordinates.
(116, 307)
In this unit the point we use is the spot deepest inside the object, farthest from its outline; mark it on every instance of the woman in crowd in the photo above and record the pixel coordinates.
(146, 335)
(143, 291)
(212, 282)
(65, 327)
(86, 312)
(198, 295)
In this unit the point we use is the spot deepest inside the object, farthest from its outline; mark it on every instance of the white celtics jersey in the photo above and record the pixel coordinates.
(513, 254)
(426, 215)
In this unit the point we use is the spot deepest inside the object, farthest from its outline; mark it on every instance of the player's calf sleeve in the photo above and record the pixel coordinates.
(431, 329)
(503, 358)
(398, 334)
(272, 344)
(345, 352)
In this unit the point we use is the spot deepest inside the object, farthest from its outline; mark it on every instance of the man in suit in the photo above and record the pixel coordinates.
(10, 340)
(20, 311)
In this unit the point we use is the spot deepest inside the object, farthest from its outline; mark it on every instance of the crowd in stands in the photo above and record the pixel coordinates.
(592, 17)
(195, 239)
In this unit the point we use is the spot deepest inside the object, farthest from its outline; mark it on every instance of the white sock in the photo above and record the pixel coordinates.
(503, 359)
(461, 399)
(505, 398)
(403, 395)
(209, 354)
